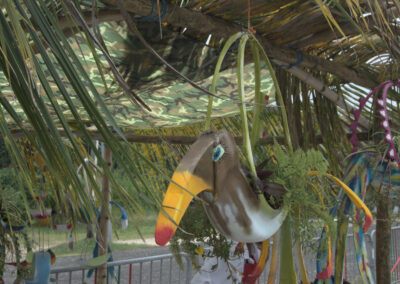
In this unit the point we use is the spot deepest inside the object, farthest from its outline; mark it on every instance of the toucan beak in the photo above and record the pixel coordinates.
(183, 188)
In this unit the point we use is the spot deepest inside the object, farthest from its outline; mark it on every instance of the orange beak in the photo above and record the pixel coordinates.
(180, 192)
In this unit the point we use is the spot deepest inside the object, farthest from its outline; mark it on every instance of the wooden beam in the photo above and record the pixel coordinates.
(133, 137)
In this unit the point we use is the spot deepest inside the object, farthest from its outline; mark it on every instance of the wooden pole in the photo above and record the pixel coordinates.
(383, 237)
(104, 220)
(132, 137)
(383, 222)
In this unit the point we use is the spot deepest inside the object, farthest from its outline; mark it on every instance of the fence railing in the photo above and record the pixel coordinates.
(151, 269)
(394, 253)
(164, 269)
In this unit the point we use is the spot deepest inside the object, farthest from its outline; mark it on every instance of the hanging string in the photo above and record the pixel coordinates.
(248, 14)
(159, 15)
(249, 27)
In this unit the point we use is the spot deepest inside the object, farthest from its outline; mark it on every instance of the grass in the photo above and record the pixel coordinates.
(86, 246)
(146, 226)
(58, 241)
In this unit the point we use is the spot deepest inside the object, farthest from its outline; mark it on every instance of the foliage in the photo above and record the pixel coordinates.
(34, 43)
(5, 160)
(41, 69)
(378, 150)
(147, 205)
(196, 232)
(290, 170)
(11, 243)
(305, 210)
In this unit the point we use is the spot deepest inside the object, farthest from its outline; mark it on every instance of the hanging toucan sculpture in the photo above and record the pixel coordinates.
(211, 169)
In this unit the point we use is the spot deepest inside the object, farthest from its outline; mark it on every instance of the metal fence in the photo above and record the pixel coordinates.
(394, 253)
(164, 269)
(351, 272)
(151, 269)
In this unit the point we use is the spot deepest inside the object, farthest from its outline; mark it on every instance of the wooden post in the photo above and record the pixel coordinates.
(383, 237)
(104, 220)
(383, 222)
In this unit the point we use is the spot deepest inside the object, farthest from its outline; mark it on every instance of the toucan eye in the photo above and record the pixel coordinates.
(218, 153)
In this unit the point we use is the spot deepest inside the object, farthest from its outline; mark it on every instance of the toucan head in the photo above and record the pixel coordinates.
(211, 153)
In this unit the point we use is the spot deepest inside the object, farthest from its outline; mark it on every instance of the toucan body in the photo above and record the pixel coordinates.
(211, 170)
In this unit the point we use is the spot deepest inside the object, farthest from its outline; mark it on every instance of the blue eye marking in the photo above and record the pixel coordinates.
(218, 153)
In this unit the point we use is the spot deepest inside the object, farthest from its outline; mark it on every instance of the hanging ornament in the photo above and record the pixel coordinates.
(71, 241)
(124, 216)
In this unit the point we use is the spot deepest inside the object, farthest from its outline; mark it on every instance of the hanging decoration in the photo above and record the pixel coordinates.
(363, 168)
(381, 102)
(42, 217)
(124, 215)
(234, 201)
(41, 268)
(11, 228)
(211, 169)
(97, 260)
(63, 228)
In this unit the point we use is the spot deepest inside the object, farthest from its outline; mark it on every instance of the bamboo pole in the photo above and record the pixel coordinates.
(104, 220)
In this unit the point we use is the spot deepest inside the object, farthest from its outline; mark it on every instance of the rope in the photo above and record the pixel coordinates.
(249, 27)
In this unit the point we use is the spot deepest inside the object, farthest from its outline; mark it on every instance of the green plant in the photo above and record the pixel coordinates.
(293, 172)
(196, 232)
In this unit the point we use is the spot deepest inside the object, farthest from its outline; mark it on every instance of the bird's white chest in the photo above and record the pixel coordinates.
(228, 218)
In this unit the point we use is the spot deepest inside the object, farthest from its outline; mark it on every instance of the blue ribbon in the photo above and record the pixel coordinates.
(150, 17)
(300, 57)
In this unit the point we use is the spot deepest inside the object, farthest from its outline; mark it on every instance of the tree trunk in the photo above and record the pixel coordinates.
(104, 219)
(383, 238)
